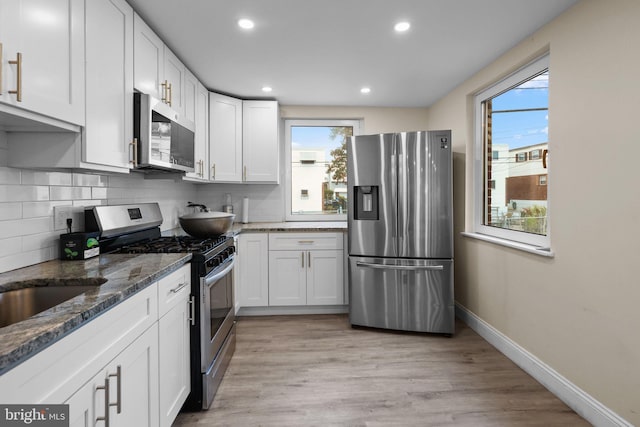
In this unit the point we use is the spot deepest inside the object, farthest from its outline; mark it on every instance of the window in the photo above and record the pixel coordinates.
(535, 154)
(316, 158)
(511, 189)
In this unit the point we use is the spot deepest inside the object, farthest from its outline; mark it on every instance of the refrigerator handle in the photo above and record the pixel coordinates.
(399, 267)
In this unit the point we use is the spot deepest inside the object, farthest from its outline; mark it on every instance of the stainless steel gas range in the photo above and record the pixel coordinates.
(135, 229)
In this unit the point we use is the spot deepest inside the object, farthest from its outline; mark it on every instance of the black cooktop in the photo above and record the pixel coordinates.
(174, 244)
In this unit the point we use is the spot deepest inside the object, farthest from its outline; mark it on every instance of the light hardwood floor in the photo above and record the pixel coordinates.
(318, 371)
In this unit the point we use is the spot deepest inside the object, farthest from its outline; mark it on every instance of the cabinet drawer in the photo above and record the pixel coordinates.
(304, 241)
(174, 288)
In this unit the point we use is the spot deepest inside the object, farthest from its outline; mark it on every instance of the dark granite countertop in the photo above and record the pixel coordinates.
(301, 226)
(125, 274)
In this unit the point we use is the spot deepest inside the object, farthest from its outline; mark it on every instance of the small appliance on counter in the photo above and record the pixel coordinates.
(79, 246)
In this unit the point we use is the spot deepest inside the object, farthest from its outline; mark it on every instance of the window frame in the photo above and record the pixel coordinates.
(288, 123)
(523, 74)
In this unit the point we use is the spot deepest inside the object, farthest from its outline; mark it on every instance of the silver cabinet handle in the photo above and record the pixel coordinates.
(192, 310)
(302, 259)
(399, 267)
(118, 376)
(213, 169)
(106, 403)
(306, 242)
(178, 288)
(309, 259)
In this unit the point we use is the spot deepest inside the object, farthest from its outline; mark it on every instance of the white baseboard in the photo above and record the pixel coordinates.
(291, 310)
(577, 399)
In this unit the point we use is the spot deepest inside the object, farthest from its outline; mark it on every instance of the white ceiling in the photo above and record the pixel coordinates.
(322, 52)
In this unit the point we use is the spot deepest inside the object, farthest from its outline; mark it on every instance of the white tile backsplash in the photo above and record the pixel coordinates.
(23, 193)
(9, 175)
(45, 178)
(37, 209)
(69, 193)
(27, 199)
(10, 211)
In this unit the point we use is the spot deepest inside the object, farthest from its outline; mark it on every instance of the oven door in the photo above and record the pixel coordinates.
(216, 312)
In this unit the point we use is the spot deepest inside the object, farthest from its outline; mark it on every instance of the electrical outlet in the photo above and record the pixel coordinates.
(60, 215)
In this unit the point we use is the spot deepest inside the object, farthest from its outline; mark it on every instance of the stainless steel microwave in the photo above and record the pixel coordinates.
(163, 138)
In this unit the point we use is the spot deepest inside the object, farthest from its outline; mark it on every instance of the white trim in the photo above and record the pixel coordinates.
(355, 123)
(537, 250)
(499, 87)
(290, 310)
(577, 399)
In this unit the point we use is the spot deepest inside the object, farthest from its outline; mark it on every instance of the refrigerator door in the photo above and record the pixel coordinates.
(372, 195)
(402, 294)
(425, 195)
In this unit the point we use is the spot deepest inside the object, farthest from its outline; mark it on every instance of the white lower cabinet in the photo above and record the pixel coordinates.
(173, 338)
(305, 277)
(253, 270)
(290, 269)
(129, 366)
(125, 393)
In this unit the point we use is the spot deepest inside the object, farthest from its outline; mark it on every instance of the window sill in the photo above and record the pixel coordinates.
(545, 252)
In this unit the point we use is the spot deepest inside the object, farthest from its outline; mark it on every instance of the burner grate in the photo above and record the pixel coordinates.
(175, 244)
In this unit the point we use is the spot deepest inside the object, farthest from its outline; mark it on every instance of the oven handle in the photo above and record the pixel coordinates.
(209, 280)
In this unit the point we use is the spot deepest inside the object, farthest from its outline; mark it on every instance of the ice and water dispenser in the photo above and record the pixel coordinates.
(366, 203)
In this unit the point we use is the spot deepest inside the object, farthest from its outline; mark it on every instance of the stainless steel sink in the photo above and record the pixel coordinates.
(20, 304)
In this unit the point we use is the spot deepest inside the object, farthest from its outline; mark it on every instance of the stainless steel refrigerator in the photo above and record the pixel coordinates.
(401, 231)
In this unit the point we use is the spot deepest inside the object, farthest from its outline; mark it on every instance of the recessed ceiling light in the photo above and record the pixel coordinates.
(402, 26)
(365, 90)
(267, 89)
(246, 24)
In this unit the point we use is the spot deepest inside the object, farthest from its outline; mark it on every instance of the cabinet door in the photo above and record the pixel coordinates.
(49, 36)
(174, 74)
(88, 403)
(260, 141)
(253, 270)
(132, 386)
(225, 138)
(190, 90)
(138, 382)
(201, 120)
(287, 278)
(148, 60)
(174, 382)
(109, 96)
(325, 278)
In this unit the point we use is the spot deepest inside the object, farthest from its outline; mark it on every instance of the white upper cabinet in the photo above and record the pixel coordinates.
(104, 143)
(260, 141)
(201, 120)
(157, 70)
(174, 80)
(42, 61)
(225, 138)
(243, 140)
(109, 67)
(149, 59)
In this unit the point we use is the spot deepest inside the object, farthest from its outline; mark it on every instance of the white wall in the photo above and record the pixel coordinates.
(27, 199)
(577, 312)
